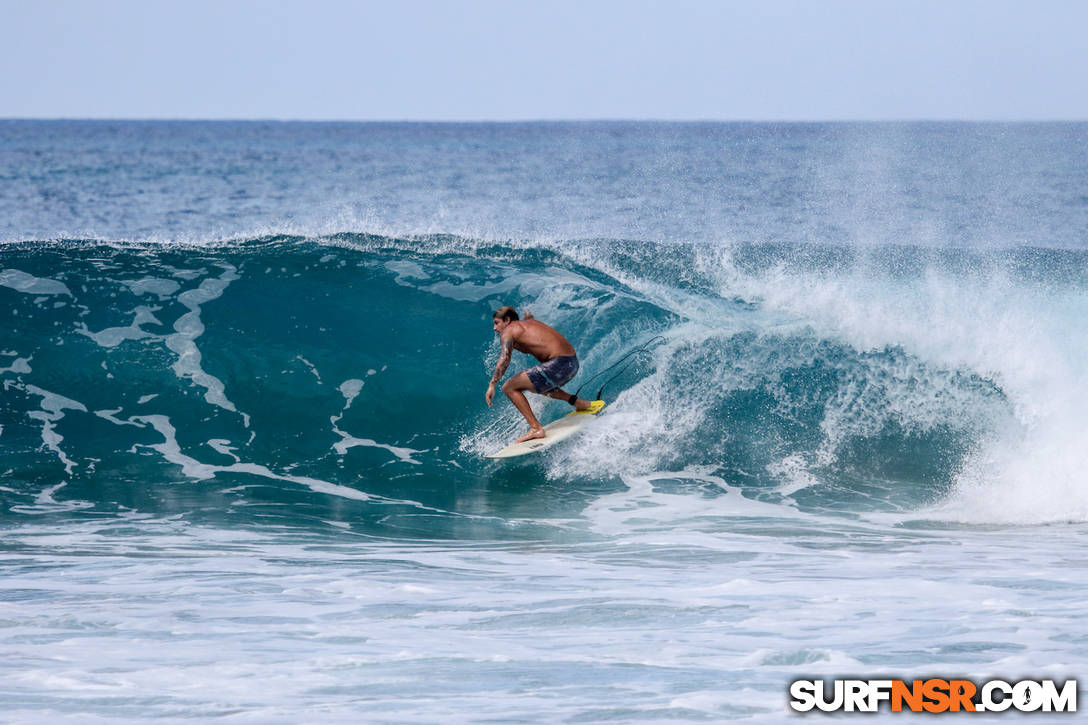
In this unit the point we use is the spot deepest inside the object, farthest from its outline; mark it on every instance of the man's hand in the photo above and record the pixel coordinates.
(490, 394)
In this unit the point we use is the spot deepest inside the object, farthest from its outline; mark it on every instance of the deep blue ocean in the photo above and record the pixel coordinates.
(242, 420)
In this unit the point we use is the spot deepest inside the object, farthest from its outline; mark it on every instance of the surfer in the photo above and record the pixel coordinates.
(558, 364)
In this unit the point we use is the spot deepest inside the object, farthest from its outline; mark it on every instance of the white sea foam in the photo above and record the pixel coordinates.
(1024, 337)
(31, 285)
(111, 416)
(45, 503)
(52, 410)
(162, 288)
(1018, 337)
(192, 468)
(348, 441)
(221, 445)
(311, 367)
(19, 365)
(350, 389)
(114, 336)
(704, 621)
(188, 328)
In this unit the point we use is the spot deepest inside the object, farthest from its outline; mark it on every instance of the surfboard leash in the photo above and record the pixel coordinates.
(630, 362)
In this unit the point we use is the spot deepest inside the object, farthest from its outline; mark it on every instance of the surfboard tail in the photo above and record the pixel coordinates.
(595, 407)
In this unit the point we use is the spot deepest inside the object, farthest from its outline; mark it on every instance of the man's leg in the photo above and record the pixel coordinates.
(563, 395)
(515, 389)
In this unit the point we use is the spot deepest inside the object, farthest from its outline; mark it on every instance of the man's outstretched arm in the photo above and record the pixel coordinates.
(500, 367)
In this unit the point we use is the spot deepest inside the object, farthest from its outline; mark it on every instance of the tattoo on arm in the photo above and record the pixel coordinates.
(504, 360)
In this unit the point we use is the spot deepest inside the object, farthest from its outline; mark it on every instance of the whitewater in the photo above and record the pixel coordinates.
(242, 420)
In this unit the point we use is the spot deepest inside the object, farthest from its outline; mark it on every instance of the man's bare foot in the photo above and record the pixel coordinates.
(533, 433)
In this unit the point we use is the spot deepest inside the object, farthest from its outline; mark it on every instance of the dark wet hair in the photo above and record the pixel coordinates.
(507, 313)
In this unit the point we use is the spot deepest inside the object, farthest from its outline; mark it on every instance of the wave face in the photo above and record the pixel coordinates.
(290, 379)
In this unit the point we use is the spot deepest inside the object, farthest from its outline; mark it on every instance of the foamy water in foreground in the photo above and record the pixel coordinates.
(696, 614)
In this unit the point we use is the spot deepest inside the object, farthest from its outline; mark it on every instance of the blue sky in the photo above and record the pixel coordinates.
(510, 60)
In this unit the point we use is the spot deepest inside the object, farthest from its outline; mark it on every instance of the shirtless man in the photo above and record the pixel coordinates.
(558, 364)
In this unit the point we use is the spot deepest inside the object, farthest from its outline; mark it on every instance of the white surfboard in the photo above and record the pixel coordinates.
(557, 430)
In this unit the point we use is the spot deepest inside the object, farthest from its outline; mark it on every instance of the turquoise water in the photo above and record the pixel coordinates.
(242, 422)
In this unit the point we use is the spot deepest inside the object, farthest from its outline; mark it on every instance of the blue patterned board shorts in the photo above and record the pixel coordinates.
(550, 375)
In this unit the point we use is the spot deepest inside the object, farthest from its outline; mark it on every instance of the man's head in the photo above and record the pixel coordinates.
(503, 317)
